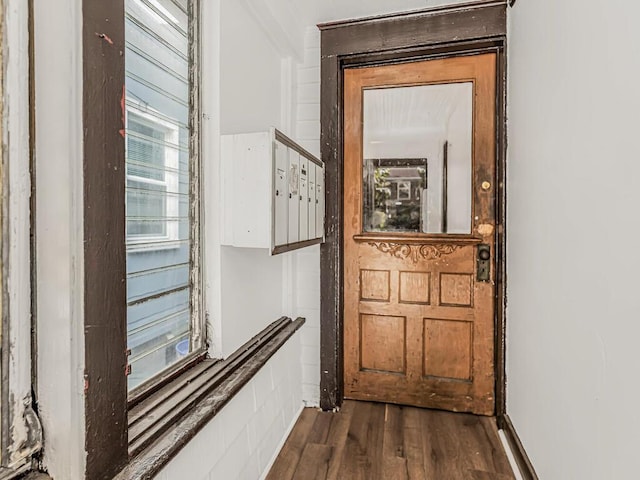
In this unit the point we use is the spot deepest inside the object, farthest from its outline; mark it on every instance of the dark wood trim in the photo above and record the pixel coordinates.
(428, 52)
(423, 11)
(152, 417)
(37, 476)
(418, 239)
(408, 31)
(398, 162)
(500, 261)
(294, 246)
(521, 457)
(445, 187)
(282, 138)
(219, 381)
(458, 30)
(140, 394)
(105, 297)
(331, 266)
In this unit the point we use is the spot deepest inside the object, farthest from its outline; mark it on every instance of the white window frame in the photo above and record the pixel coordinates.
(20, 428)
(171, 181)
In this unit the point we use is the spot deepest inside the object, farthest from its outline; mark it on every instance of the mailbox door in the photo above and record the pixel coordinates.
(312, 200)
(280, 194)
(293, 182)
(319, 202)
(304, 199)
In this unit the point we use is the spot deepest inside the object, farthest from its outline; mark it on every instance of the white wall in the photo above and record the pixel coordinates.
(252, 286)
(573, 224)
(253, 89)
(250, 72)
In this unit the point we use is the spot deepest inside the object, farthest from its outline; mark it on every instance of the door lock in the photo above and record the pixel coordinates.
(484, 262)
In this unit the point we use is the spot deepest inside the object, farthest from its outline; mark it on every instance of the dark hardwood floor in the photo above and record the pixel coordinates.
(372, 441)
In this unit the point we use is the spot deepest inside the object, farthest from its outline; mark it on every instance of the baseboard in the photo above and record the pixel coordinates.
(519, 453)
(281, 444)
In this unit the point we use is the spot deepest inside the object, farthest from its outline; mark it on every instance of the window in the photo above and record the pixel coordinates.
(152, 180)
(161, 190)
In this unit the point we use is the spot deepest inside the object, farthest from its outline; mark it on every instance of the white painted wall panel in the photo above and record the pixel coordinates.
(573, 177)
(251, 294)
(307, 261)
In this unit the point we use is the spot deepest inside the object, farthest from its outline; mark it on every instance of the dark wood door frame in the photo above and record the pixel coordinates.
(464, 29)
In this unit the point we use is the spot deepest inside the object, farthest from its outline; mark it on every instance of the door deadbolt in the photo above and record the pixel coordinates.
(484, 263)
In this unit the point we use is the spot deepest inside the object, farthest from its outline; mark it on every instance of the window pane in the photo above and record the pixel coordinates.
(417, 150)
(146, 207)
(145, 148)
(158, 186)
(393, 190)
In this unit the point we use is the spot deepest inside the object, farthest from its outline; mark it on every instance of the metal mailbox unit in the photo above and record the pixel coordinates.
(272, 193)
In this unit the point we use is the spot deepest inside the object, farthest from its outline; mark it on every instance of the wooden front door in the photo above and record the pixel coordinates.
(419, 233)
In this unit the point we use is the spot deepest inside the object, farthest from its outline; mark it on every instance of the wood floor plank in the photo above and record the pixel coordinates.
(394, 462)
(361, 456)
(496, 458)
(285, 465)
(314, 462)
(478, 475)
(393, 439)
(321, 427)
(337, 437)
(353, 462)
(444, 457)
(375, 437)
(412, 433)
(372, 441)
(470, 428)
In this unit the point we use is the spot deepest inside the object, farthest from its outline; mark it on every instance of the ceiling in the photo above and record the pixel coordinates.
(320, 11)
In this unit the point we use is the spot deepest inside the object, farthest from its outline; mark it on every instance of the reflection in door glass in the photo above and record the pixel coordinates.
(417, 149)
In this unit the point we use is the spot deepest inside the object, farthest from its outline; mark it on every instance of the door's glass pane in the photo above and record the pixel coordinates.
(417, 165)
(158, 223)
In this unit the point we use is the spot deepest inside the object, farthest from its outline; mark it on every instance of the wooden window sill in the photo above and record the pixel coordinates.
(162, 424)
